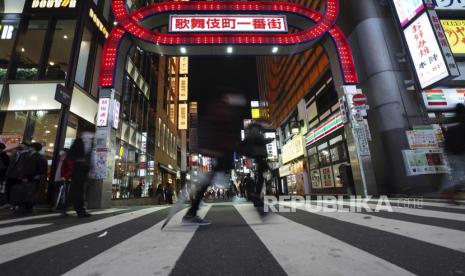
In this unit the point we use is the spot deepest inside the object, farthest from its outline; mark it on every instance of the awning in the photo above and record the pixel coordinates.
(166, 168)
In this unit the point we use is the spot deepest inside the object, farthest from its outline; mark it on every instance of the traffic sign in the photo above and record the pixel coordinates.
(359, 99)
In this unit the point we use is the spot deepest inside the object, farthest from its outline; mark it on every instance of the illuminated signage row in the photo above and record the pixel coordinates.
(183, 88)
(183, 65)
(332, 124)
(53, 4)
(182, 118)
(98, 23)
(443, 98)
(228, 23)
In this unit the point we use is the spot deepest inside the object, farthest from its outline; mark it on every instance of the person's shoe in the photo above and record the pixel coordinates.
(194, 220)
(84, 215)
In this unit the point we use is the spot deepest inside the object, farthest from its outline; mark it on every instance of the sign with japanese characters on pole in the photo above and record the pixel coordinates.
(429, 50)
(455, 33)
(228, 23)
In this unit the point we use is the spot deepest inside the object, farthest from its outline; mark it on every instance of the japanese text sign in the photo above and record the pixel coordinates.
(183, 88)
(116, 110)
(182, 120)
(103, 110)
(425, 51)
(455, 33)
(228, 23)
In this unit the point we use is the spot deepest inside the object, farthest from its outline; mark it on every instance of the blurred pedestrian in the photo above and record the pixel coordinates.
(168, 194)
(80, 154)
(218, 141)
(4, 163)
(454, 135)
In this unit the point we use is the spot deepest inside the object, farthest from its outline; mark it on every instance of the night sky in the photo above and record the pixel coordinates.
(208, 75)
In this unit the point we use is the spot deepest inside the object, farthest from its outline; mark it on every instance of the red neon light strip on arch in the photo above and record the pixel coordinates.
(129, 23)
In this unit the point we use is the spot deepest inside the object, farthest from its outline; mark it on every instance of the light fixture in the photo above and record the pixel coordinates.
(115, 23)
(51, 63)
(47, 131)
(229, 50)
(23, 50)
(183, 50)
(295, 126)
(65, 37)
(274, 50)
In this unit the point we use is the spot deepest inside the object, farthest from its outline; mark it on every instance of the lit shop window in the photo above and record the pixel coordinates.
(30, 49)
(58, 61)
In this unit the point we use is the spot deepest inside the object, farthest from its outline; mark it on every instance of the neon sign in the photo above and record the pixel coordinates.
(129, 25)
(228, 23)
(50, 4)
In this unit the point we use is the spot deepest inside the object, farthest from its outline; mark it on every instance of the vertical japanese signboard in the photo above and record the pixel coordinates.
(183, 88)
(182, 120)
(103, 110)
(183, 65)
(116, 110)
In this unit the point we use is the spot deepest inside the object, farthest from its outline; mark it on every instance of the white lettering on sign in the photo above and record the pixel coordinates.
(98, 23)
(103, 110)
(7, 31)
(226, 23)
(53, 4)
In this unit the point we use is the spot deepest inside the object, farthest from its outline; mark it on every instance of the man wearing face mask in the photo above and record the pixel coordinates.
(80, 154)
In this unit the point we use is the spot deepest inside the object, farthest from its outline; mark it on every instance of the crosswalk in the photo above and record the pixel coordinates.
(129, 241)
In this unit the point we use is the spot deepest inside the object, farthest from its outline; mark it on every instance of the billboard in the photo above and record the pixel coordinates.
(455, 34)
(407, 10)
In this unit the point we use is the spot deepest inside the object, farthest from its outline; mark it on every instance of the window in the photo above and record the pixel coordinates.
(62, 43)
(30, 50)
(13, 126)
(96, 67)
(84, 51)
(8, 30)
(324, 156)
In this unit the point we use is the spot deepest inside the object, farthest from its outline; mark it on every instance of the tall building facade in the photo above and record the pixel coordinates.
(304, 92)
(46, 45)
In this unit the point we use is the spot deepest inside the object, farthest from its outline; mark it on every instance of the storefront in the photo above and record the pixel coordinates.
(293, 173)
(327, 155)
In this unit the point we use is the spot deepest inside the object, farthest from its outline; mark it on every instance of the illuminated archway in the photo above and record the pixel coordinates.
(139, 24)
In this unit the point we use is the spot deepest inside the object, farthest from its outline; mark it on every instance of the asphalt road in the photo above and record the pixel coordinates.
(128, 241)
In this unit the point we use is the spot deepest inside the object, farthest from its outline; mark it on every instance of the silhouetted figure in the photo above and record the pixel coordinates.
(455, 148)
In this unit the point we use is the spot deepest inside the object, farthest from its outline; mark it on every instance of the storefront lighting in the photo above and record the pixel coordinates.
(229, 50)
(183, 50)
(47, 131)
(51, 63)
(274, 50)
(51, 145)
(115, 23)
(23, 50)
(55, 126)
(65, 37)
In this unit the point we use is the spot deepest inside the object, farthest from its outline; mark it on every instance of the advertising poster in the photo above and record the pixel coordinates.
(10, 139)
(315, 178)
(424, 161)
(327, 177)
(418, 139)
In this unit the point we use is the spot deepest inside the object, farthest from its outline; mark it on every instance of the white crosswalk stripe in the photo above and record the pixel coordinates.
(13, 250)
(449, 238)
(298, 248)
(19, 228)
(322, 252)
(411, 211)
(101, 212)
(166, 245)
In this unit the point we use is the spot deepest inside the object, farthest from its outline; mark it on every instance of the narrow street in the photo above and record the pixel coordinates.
(128, 241)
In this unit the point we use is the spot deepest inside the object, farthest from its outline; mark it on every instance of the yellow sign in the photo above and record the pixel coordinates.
(50, 4)
(184, 65)
(255, 113)
(182, 120)
(98, 23)
(455, 33)
(183, 88)
(293, 149)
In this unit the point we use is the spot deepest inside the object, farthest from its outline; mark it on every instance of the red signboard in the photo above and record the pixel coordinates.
(359, 99)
